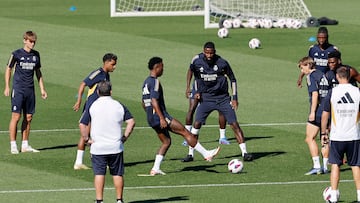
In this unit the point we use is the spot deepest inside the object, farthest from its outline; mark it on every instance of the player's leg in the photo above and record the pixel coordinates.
(28, 112)
(193, 103)
(226, 109)
(84, 127)
(164, 137)
(116, 167)
(192, 140)
(15, 117)
(353, 160)
(222, 130)
(311, 132)
(99, 163)
(334, 182)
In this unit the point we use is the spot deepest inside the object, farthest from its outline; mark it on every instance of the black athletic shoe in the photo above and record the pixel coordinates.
(248, 157)
(188, 158)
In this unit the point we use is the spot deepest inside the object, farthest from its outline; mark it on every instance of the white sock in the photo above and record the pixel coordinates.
(316, 162)
(24, 144)
(188, 127)
(79, 156)
(191, 151)
(198, 147)
(243, 148)
(222, 133)
(13, 144)
(194, 131)
(325, 163)
(358, 195)
(158, 159)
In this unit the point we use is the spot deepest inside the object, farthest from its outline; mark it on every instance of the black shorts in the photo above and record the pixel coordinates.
(349, 148)
(114, 161)
(223, 106)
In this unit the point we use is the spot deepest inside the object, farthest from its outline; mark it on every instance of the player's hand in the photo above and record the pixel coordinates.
(163, 123)
(324, 140)
(44, 94)
(197, 96)
(187, 93)
(76, 106)
(311, 116)
(234, 104)
(7, 92)
(299, 83)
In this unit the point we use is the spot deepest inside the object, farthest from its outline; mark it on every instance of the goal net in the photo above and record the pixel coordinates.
(213, 10)
(130, 8)
(254, 9)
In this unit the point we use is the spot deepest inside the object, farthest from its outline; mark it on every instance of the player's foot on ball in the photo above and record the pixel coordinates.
(224, 141)
(157, 172)
(212, 154)
(188, 158)
(81, 167)
(29, 149)
(248, 157)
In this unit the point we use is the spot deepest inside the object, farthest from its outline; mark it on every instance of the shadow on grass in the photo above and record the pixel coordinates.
(232, 139)
(258, 155)
(170, 199)
(58, 147)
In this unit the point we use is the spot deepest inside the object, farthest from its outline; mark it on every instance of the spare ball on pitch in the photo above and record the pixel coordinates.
(223, 32)
(254, 43)
(235, 166)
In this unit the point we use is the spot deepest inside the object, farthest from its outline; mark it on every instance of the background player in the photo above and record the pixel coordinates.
(25, 62)
(91, 81)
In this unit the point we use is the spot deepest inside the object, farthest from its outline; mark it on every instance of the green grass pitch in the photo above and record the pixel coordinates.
(272, 110)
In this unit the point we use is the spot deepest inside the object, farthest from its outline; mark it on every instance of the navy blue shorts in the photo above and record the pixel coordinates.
(154, 120)
(339, 148)
(85, 116)
(224, 107)
(23, 100)
(114, 161)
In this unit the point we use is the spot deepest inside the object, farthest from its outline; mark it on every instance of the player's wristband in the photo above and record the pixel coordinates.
(234, 97)
(323, 133)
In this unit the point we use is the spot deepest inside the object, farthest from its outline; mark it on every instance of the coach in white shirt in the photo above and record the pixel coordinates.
(343, 103)
(107, 139)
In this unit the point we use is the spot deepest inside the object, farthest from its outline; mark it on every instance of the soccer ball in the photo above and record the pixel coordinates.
(223, 32)
(254, 43)
(235, 166)
(236, 23)
(326, 193)
(227, 23)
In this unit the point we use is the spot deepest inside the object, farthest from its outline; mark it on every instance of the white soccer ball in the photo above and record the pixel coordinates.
(253, 23)
(236, 23)
(280, 23)
(267, 23)
(227, 23)
(235, 166)
(223, 32)
(254, 43)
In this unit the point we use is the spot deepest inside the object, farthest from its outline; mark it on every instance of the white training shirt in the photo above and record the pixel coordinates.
(345, 99)
(107, 116)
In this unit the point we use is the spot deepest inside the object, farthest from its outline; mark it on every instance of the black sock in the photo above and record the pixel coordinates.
(119, 200)
(99, 201)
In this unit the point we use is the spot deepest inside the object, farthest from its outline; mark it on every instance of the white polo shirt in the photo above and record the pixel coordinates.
(107, 116)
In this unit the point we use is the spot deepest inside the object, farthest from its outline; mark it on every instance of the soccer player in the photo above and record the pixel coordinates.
(161, 121)
(211, 74)
(343, 103)
(24, 62)
(317, 88)
(334, 62)
(107, 140)
(91, 81)
(319, 52)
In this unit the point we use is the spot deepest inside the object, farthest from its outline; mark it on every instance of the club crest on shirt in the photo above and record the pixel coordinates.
(215, 67)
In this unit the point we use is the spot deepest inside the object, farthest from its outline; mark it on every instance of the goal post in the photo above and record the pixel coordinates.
(213, 10)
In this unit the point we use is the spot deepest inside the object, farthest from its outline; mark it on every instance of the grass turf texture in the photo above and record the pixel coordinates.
(72, 43)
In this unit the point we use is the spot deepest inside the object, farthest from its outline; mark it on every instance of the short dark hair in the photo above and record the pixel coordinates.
(323, 30)
(104, 88)
(109, 57)
(154, 60)
(209, 45)
(335, 54)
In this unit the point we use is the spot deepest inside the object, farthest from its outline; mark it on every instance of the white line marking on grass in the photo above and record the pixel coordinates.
(174, 186)
(143, 127)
